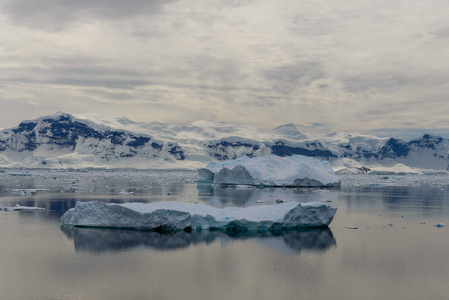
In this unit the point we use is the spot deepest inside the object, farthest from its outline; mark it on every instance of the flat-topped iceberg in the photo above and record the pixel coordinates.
(271, 170)
(173, 216)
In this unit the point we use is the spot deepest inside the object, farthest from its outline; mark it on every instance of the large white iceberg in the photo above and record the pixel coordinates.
(172, 216)
(271, 170)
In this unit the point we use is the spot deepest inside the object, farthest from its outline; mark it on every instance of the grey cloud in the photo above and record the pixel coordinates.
(262, 101)
(408, 133)
(107, 77)
(206, 77)
(389, 81)
(74, 60)
(56, 15)
(108, 83)
(81, 71)
(112, 95)
(287, 77)
(442, 33)
(304, 26)
(374, 81)
(212, 73)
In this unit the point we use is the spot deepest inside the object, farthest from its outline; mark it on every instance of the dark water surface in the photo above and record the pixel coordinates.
(396, 252)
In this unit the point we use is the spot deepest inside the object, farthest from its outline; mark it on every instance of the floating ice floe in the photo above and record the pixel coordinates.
(19, 207)
(271, 170)
(123, 192)
(172, 216)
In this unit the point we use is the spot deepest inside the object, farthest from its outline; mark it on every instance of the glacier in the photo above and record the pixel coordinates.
(175, 216)
(271, 170)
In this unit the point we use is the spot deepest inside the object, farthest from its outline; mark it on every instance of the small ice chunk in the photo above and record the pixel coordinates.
(124, 192)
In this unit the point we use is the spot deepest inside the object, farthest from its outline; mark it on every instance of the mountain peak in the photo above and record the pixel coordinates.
(289, 130)
(61, 113)
(58, 116)
(289, 126)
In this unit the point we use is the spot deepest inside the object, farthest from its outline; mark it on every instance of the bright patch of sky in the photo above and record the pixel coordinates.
(367, 66)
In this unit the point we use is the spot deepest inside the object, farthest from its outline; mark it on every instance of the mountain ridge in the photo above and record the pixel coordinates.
(65, 140)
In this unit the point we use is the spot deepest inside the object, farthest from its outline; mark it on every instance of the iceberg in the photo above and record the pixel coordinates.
(271, 170)
(175, 216)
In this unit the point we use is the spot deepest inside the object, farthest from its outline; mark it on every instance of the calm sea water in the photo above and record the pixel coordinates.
(396, 252)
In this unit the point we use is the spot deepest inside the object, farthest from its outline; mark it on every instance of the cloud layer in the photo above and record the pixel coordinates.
(367, 66)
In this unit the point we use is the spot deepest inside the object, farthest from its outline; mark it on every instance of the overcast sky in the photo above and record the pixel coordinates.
(374, 66)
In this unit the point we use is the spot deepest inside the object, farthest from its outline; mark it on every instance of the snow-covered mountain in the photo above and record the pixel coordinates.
(93, 140)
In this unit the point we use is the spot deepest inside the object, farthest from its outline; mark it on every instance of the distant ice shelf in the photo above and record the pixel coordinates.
(174, 216)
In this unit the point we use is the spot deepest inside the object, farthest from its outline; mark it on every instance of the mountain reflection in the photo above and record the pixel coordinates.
(102, 240)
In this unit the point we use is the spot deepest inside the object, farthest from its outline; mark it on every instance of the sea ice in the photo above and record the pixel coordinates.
(271, 170)
(172, 216)
(124, 192)
(26, 192)
(18, 207)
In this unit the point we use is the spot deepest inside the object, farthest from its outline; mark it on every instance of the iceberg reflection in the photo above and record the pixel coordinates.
(102, 240)
(245, 195)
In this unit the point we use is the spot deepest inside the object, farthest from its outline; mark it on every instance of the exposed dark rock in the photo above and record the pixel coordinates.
(176, 151)
(394, 148)
(282, 150)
